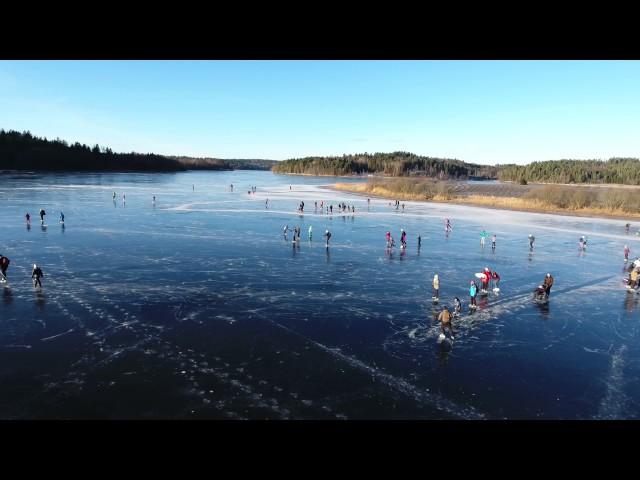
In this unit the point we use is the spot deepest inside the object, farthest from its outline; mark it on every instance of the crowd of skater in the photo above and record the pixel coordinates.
(478, 287)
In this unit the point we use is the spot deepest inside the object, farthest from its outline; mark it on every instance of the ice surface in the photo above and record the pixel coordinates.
(204, 282)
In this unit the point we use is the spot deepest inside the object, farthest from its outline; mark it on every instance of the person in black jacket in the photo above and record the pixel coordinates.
(36, 275)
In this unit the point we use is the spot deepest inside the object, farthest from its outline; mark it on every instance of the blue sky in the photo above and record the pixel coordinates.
(478, 111)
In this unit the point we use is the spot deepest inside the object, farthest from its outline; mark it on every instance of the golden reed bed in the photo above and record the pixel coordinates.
(522, 203)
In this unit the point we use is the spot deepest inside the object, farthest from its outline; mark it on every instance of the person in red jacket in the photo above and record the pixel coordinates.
(496, 279)
(486, 278)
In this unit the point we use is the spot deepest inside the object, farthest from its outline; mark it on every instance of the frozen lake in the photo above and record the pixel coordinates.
(197, 307)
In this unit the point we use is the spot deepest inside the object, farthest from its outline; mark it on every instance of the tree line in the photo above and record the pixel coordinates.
(392, 164)
(24, 151)
(615, 170)
(207, 163)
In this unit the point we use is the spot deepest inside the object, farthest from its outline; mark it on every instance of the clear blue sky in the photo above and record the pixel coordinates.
(478, 111)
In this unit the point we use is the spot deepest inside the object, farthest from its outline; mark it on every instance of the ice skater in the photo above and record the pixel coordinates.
(419, 241)
(436, 287)
(532, 239)
(42, 214)
(496, 281)
(548, 283)
(310, 232)
(473, 292)
(327, 234)
(403, 239)
(627, 250)
(62, 218)
(485, 279)
(457, 306)
(540, 293)
(28, 218)
(493, 242)
(4, 265)
(445, 322)
(483, 236)
(36, 275)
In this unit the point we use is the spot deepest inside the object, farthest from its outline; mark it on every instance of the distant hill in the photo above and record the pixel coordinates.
(392, 164)
(207, 163)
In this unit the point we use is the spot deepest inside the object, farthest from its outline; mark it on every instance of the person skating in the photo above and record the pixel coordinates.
(627, 227)
(419, 241)
(62, 218)
(496, 280)
(403, 238)
(548, 283)
(540, 293)
(436, 287)
(627, 250)
(310, 232)
(483, 236)
(493, 242)
(532, 239)
(36, 275)
(28, 218)
(473, 292)
(445, 322)
(285, 230)
(457, 306)
(42, 214)
(327, 234)
(4, 265)
(485, 280)
(633, 279)
(388, 235)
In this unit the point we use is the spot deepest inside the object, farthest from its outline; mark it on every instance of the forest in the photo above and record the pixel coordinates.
(24, 151)
(394, 164)
(207, 163)
(615, 170)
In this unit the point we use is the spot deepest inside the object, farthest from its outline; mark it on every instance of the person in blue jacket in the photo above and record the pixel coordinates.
(473, 292)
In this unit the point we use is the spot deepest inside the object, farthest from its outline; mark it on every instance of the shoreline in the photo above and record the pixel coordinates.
(550, 211)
